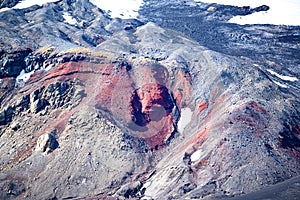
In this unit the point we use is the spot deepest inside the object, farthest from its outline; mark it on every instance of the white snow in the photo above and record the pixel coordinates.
(69, 19)
(119, 8)
(4, 9)
(185, 118)
(282, 77)
(281, 12)
(147, 184)
(23, 78)
(48, 68)
(196, 155)
(27, 4)
(280, 84)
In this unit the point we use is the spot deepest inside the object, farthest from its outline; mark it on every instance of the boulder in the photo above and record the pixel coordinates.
(38, 105)
(46, 143)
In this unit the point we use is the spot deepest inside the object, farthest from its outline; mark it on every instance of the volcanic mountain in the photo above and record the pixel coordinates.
(176, 104)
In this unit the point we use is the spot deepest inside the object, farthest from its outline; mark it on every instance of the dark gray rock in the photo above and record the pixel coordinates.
(130, 190)
(8, 3)
(12, 63)
(10, 190)
(186, 188)
(38, 105)
(2, 118)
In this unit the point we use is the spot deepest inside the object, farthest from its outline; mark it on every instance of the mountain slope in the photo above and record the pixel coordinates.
(102, 113)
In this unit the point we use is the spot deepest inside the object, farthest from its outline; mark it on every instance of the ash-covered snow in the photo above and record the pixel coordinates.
(280, 12)
(125, 9)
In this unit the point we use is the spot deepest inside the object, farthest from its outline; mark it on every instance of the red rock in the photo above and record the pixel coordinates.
(202, 106)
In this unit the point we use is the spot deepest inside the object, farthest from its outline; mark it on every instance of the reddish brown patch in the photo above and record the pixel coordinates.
(252, 115)
(60, 124)
(150, 100)
(158, 140)
(104, 96)
(258, 107)
(36, 76)
(199, 165)
(111, 87)
(199, 139)
(182, 85)
(218, 109)
(151, 119)
(202, 106)
(178, 98)
(24, 152)
(196, 142)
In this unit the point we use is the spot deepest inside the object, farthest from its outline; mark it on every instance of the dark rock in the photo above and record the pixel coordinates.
(38, 105)
(186, 188)
(8, 3)
(12, 63)
(204, 191)
(261, 8)
(130, 190)
(15, 126)
(23, 105)
(9, 113)
(11, 189)
(2, 118)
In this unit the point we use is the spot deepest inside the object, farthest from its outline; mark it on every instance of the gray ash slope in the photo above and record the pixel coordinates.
(63, 134)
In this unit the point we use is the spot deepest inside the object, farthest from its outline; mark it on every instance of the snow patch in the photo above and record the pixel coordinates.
(280, 12)
(196, 155)
(4, 9)
(48, 68)
(125, 9)
(69, 19)
(185, 118)
(28, 3)
(282, 77)
(147, 184)
(23, 78)
(280, 84)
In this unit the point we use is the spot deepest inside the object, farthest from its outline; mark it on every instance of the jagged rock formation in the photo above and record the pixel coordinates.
(100, 116)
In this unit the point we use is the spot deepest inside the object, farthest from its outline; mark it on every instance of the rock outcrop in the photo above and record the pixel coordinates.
(12, 63)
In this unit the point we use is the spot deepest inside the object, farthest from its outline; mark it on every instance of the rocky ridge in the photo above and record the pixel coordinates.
(99, 116)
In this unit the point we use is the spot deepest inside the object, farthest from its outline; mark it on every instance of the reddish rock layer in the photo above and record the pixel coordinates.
(146, 110)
